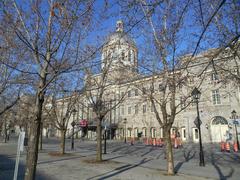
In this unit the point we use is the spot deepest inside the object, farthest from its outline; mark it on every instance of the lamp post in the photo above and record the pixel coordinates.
(235, 122)
(105, 140)
(196, 96)
(125, 133)
(74, 111)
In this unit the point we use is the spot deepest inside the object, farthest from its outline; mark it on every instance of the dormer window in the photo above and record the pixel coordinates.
(132, 55)
(129, 56)
(123, 54)
(214, 77)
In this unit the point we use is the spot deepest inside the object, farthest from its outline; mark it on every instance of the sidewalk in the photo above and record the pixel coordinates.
(75, 165)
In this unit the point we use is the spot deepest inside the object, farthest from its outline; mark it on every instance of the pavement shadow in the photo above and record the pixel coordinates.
(150, 150)
(188, 155)
(118, 148)
(60, 159)
(7, 166)
(119, 170)
(220, 173)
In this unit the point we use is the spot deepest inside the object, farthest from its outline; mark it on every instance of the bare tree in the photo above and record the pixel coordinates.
(59, 111)
(47, 31)
(164, 25)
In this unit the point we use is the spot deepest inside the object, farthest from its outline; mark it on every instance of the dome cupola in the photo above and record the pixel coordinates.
(119, 51)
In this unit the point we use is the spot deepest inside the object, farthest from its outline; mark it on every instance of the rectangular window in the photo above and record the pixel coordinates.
(182, 102)
(129, 93)
(122, 94)
(143, 90)
(129, 110)
(152, 108)
(196, 133)
(136, 109)
(152, 88)
(161, 87)
(122, 110)
(129, 56)
(136, 92)
(214, 77)
(191, 80)
(144, 108)
(184, 133)
(123, 56)
(216, 97)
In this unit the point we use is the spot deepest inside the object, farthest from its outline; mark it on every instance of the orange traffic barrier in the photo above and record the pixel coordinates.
(132, 141)
(150, 141)
(159, 142)
(222, 146)
(146, 141)
(175, 143)
(179, 143)
(154, 142)
(235, 147)
(227, 147)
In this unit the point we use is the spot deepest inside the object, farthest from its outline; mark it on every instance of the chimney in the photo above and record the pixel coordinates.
(119, 26)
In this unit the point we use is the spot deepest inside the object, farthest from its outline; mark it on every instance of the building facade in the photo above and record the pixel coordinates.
(131, 112)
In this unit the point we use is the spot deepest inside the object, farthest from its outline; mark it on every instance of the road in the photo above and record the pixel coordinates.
(122, 161)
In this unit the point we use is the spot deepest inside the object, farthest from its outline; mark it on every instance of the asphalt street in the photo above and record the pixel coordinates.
(122, 161)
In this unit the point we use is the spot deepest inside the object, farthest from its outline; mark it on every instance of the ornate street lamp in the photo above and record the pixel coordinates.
(125, 134)
(196, 94)
(105, 140)
(74, 111)
(235, 122)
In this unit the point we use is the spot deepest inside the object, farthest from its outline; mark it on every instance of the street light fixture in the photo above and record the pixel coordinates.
(235, 122)
(125, 134)
(105, 140)
(196, 94)
(74, 111)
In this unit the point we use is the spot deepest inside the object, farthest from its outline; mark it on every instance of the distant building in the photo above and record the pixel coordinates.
(219, 96)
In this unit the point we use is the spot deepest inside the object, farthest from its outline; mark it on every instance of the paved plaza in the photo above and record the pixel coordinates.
(122, 161)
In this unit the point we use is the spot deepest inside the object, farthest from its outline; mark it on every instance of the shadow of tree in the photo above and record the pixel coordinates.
(220, 173)
(7, 166)
(150, 150)
(119, 170)
(187, 156)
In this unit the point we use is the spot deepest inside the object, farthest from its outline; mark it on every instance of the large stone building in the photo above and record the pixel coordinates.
(131, 112)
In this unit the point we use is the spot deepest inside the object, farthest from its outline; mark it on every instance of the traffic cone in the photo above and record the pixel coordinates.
(222, 146)
(235, 147)
(175, 143)
(179, 143)
(132, 141)
(160, 143)
(150, 142)
(227, 147)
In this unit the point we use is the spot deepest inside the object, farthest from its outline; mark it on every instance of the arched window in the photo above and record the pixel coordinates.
(153, 132)
(144, 130)
(123, 54)
(219, 120)
(129, 56)
(132, 56)
(135, 132)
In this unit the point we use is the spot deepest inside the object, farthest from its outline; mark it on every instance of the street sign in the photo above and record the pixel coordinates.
(235, 122)
(83, 123)
(20, 148)
(196, 122)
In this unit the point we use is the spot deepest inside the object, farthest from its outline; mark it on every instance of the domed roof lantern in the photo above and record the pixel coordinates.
(119, 26)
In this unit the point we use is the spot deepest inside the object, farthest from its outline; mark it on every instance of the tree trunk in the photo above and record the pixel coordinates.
(5, 131)
(41, 137)
(33, 141)
(62, 144)
(99, 140)
(169, 152)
